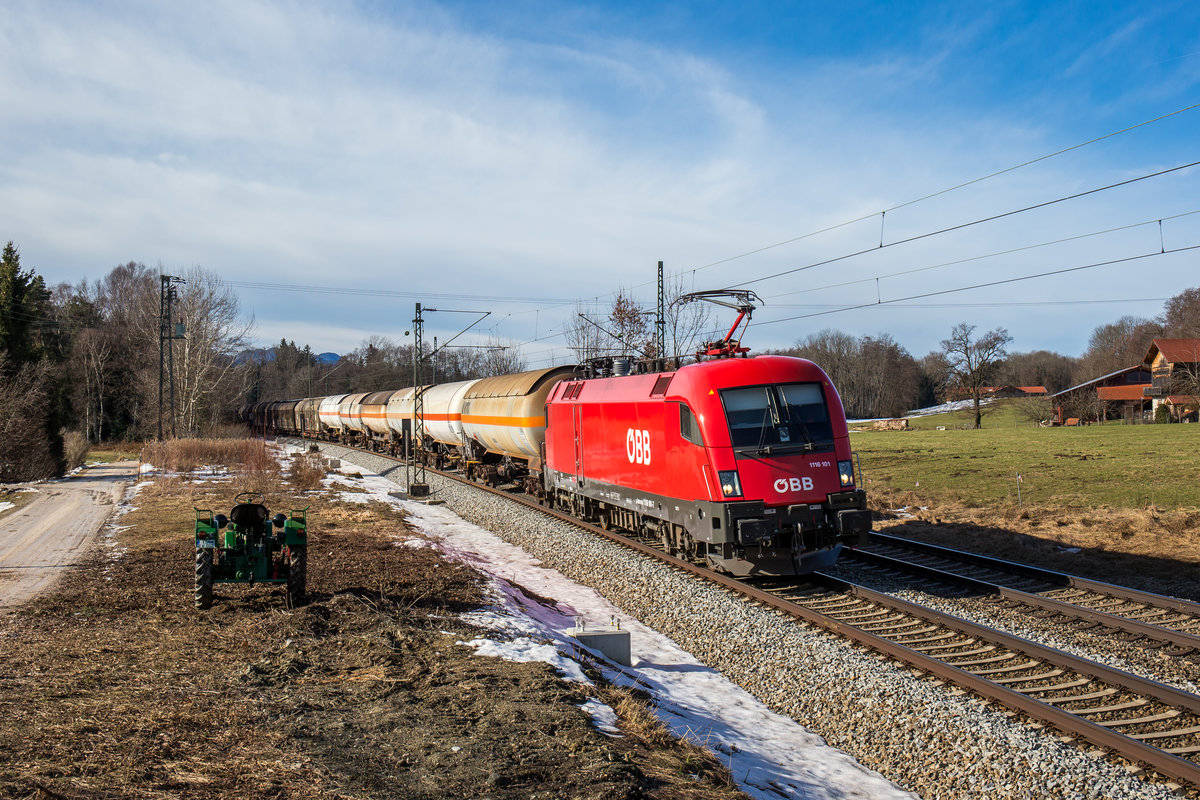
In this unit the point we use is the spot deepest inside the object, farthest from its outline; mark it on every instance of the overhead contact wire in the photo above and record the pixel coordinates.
(970, 224)
(982, 285)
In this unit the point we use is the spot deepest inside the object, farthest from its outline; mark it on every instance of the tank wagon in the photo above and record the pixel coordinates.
(744, 463)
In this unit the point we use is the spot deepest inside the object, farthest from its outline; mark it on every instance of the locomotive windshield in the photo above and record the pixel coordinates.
(782, 418)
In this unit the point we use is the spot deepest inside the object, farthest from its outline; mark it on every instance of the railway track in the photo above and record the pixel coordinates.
(1143, 618)
(1137, 719)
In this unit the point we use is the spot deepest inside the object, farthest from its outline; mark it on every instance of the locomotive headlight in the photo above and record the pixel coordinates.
(731, 486)
(846, 472)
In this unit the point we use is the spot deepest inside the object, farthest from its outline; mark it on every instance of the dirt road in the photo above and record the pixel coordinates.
(53, 530)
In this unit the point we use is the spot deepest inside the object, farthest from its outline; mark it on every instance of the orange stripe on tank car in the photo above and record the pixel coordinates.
(507, 422)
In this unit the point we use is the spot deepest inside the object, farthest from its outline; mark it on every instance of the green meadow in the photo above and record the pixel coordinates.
(1112, 465)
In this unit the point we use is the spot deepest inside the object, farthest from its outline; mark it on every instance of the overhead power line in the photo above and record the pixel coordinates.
(984, 256)
(988, 284)
(379, 292)
(947, 190)
(972, 223)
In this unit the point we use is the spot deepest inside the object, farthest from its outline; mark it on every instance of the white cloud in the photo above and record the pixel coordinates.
(309, 144)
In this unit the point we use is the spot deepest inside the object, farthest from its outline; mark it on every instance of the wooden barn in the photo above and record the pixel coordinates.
(1117, 395)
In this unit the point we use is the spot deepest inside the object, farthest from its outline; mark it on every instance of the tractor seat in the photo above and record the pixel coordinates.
(249, 515)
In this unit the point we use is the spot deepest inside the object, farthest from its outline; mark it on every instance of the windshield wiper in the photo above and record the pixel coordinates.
(762, 431)
(779, 449)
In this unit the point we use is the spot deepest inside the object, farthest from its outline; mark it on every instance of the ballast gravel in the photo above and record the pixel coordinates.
(926, 737)
(1152, 663)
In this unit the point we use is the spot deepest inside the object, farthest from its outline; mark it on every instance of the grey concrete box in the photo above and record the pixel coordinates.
(611, 642)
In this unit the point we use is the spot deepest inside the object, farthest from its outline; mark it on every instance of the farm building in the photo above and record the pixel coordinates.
(1119, 394)
(1174, 366)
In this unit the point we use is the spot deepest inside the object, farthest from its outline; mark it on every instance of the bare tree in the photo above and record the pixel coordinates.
(1181, 315)
(971, 363)
(501, 358)
(93, 353)
(1036, 408)
(874, 375)
(686, 323)
(208, 380)
(585, 336)
(25, 451)
(630, 328)
(1039, 368)
(1115, 346)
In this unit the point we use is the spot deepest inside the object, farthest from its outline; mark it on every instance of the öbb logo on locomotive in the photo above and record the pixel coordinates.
(743, 463)
(637, 446)
(784, 485)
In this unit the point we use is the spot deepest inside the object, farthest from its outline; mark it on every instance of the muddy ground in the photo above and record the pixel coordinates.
(115, 686)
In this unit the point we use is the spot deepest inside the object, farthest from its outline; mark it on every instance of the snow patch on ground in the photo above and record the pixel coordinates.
(770, 756)
(905, 513)
(6, 506)
(944, 408)
(603, 717)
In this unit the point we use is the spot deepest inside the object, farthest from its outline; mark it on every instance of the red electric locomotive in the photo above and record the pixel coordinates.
(745, 462)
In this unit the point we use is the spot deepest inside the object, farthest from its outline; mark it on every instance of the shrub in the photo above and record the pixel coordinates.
(306, 471)
(75, 448)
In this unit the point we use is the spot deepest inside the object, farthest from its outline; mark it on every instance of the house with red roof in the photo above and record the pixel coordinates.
(1174, 366)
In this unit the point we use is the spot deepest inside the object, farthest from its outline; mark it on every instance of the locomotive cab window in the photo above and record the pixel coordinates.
(689, 428)
(783, 418)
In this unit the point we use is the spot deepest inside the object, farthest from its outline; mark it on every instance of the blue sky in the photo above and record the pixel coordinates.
(479, 153)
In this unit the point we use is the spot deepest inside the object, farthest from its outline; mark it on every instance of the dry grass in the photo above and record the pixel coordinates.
(250, 456)
(114, 686)
(306, 470)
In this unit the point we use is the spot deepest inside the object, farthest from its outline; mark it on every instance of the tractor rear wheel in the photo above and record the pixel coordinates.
(297, 574)
(204, 577)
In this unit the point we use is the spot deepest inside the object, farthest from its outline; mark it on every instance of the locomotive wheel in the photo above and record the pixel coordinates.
(605, 520)
(297, 575)
(204, 578)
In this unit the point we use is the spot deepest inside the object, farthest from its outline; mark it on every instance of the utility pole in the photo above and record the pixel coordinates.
(168, 332)
(417, 486)
(417, 481)
(660, 324)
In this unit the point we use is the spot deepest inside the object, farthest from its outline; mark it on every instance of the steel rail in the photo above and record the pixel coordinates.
(1158, 633)
(1161, 761)
(1050, 576)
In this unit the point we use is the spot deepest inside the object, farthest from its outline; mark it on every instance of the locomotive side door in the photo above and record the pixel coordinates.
(577, 424)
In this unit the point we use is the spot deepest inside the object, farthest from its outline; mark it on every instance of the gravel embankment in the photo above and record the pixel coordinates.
(921, 735)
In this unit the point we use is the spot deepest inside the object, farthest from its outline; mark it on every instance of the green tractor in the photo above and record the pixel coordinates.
(251, 546)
